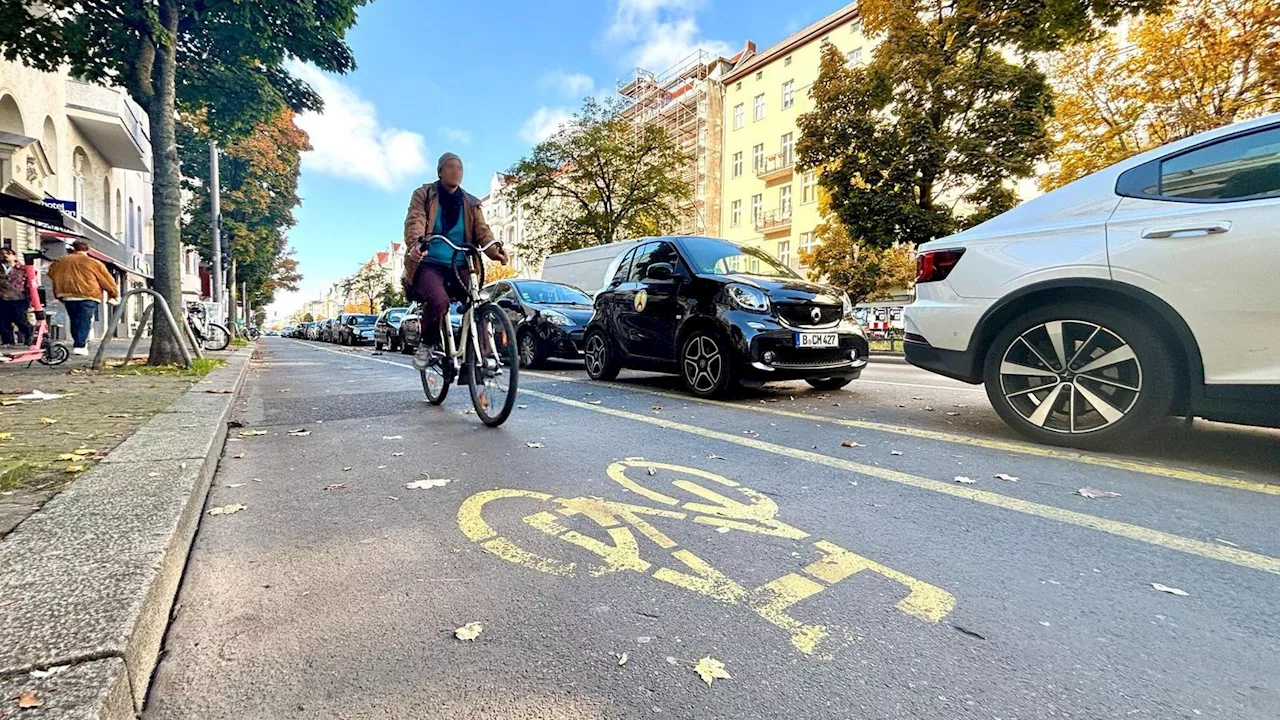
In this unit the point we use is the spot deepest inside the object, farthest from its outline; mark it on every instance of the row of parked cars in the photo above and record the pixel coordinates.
(345, 329)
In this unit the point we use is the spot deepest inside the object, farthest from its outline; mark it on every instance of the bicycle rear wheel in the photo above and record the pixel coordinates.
(435, 380)
(495, 372)
(216, 337)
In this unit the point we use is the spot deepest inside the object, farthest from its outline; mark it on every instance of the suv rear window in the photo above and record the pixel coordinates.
(1239, 168)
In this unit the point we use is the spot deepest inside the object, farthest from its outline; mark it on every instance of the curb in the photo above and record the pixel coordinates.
(897, 358)
(89, 580)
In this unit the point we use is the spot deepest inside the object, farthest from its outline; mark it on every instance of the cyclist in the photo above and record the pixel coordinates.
(441, 208)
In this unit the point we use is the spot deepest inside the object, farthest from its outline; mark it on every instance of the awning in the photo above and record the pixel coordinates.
(33, 213)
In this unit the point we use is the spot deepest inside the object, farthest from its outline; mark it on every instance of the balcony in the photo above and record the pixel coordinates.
(112, 123)
(776, 167)
(773, 222)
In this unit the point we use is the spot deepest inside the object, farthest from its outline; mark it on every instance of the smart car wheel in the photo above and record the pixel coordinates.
(1081, 375)
(705, 365)
(531, 353)
(602, 361)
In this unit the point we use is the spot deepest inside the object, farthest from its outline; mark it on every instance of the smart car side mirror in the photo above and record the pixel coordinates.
(660, 271)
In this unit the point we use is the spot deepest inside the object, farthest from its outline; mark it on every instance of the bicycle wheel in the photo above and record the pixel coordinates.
(495, 373)
(55, 354)
(435, 379)
(216, 337)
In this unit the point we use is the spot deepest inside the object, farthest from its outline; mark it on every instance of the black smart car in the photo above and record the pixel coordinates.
(721, 314)
(549, 318)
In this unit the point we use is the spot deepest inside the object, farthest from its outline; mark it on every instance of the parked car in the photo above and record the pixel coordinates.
(1143, 290)
(356, 329)
(329, 328)
(386, 330)
(720, 314)
(286, 331)
(411, 325)
(311, 332)
(549, 318)
(587, 268)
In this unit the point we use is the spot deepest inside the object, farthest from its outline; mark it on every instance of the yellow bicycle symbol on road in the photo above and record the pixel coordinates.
(744, 509)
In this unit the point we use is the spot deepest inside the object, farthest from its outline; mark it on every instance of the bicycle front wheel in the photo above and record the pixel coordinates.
(216, 337)
(495, 372)
(436, 378)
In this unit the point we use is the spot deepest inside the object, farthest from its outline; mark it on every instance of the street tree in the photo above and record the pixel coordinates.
(1114, 102)
(392, 296)
(600, 178)
(494, 272)
(226, 58)
(366, 285)
(932, 132)
(308, 318)
(864, 271)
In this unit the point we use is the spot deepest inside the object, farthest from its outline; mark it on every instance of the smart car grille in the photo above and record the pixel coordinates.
(810, 358)
(801, 314)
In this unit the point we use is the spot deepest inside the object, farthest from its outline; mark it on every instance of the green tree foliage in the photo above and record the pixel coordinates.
(366, 286)
(226, 58)
(308, 318)
(931, 133)
(392, 296)
(600, 178)
(865, 272)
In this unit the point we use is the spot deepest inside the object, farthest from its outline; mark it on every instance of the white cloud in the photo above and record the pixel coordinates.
(657, 34)
(543, 123)
(462, 137)
(348, 141)
(569, 85)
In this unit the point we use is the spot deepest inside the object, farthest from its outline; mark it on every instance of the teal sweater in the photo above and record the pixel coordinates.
(439, 253)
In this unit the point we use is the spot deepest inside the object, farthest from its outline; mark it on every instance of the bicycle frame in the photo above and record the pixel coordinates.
(457, 350)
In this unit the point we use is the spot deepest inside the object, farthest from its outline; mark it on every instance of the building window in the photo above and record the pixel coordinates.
(128, 226)
(738, 113)
(808, 187)
(784, 201)
(759, 115)
(757, 158)
(784, 252)
(807, 242)
(853, 57)
(735, 213)
(737, 164)
(786, 61)
(788, 94)
(757, 203)
(738, 86)
(760, 75)
(786, 149)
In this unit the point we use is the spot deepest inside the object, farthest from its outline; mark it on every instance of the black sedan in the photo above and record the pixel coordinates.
(549, 318)
(411, 325)
(386, 331)
(720, 314)
(356, 329)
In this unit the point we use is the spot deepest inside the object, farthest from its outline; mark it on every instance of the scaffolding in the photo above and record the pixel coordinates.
(687, 102)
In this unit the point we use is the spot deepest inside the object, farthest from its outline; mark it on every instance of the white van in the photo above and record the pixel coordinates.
(586, 269)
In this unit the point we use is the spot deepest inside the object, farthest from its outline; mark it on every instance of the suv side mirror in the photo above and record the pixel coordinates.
(660, 272)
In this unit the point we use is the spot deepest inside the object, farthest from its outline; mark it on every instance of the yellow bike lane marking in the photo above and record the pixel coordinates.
(755, 513)
(1011, 446)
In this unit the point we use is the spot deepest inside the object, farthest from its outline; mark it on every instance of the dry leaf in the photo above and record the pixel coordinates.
(723, 529)
(1006, 478)
(227, 509)
(47, 421)
(622, 659)
(952, 414)
(470, 631)
(714, 456)
(7, 403)
(299, 433)
(709, 668)
(238, 456)
(850, 443)
(657, 408)
(219, 392)
(652, 471)
(392, 437)
(1094, 493)
(522, 407)
(68, 456)
(6, 436)
(84, 451)
(964, 480)
(1170, 590)
(346, 469)
(236, 485)
(74, 469)
(28, 699)
(338, 486)
(895, 452)
(595, 402)
(428, 483)
(917, 398)
(252, 433)
(397, 454)
(382, 467)
(928, 408)
(535, 445)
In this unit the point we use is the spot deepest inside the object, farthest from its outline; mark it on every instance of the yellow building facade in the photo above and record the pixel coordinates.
(765, 202)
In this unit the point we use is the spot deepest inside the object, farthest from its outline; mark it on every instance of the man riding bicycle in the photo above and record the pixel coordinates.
(431, 276)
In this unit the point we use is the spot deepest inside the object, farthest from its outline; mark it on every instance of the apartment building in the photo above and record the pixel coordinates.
(765, 203)
(509, 224)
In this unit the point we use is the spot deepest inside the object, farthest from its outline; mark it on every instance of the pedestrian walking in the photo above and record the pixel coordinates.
(14, 299)
(79, 281)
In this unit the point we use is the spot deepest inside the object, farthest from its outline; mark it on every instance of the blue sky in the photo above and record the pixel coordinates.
(485, 79)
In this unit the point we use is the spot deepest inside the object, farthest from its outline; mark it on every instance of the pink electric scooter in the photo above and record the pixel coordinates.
(41, 349)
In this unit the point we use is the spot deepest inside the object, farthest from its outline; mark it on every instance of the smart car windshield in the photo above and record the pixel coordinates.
(721, 257)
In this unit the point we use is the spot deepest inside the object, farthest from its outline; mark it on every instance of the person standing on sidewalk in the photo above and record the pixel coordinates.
(79, 281)
(14, 293)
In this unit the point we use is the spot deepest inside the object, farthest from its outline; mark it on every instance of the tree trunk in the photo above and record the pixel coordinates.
(166, 188)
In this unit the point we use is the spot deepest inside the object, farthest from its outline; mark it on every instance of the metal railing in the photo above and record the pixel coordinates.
(183, 331)
(776, 164)
(773, 221)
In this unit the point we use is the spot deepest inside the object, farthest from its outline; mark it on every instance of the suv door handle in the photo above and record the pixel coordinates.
(1214, 229)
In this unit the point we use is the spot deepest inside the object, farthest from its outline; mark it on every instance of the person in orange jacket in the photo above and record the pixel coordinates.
(79, 281)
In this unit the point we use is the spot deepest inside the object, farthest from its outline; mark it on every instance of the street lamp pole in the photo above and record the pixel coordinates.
(215, 274)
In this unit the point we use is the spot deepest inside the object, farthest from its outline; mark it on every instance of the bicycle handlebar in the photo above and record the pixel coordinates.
(426, 241)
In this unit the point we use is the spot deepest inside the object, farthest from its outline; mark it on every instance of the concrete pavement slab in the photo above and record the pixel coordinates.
(94, 690)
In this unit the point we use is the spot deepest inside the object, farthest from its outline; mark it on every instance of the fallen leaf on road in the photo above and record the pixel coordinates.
(750, 432)
(427, 484)
(928, 408)
(236, 485)
(622, 659)
(399, 454)
(722, 529)
(392, 437)
(709, 668)
(522, 407)
(238, 456)
(652, 471)
(252, 433)
(535, 445)
(714, 456)
(964, 480)
(227, 509)
(917, 398)
(952, 414)
(47, 421)
(284, 390)
(470, 631)
(1094, 493)
(382, 467)
(895, 452)
(1170, 590)
(6, 436)
(595, 402)
(657, 408)
(119, 415)
(74, 469)
(67, 456)
(7, 403)
(850, 443)
(29, 699)
(1006, 478)
(336, 486)
(299, 433)
(346, 469)
(222, 391)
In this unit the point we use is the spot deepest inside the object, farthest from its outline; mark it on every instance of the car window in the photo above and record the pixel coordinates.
(624, 267)
(721, 257)
(666, 253)
(640, 264)
(394, 315)
(502, 290)
(1239, 168)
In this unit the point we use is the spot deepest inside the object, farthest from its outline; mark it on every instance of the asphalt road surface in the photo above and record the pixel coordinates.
(819, 545)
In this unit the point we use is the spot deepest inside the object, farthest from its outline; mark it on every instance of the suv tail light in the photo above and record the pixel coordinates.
(936, 265)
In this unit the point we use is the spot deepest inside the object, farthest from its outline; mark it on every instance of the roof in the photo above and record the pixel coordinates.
(799, 39)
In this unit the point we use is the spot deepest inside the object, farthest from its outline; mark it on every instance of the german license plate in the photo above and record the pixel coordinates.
(817, 340)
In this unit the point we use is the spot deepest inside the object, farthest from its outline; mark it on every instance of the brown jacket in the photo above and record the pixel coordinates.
(80, 276)
(422, 217)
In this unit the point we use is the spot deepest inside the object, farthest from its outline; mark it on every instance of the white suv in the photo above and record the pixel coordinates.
(1146, 289)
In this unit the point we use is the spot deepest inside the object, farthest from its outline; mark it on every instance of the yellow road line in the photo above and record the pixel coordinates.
(1235, 556)
(1011, 446)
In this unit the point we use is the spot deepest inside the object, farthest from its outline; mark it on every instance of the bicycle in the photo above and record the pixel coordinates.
(485, 350)
(210, 335)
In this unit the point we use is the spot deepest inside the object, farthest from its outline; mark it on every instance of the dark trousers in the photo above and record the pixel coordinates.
(14, 313)
(81, 313)
(436, 285)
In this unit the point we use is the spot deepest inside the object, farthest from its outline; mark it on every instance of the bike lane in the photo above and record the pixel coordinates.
(827, 593)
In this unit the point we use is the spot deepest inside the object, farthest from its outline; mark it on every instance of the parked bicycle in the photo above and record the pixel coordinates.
(210, 335)
(485, 349)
